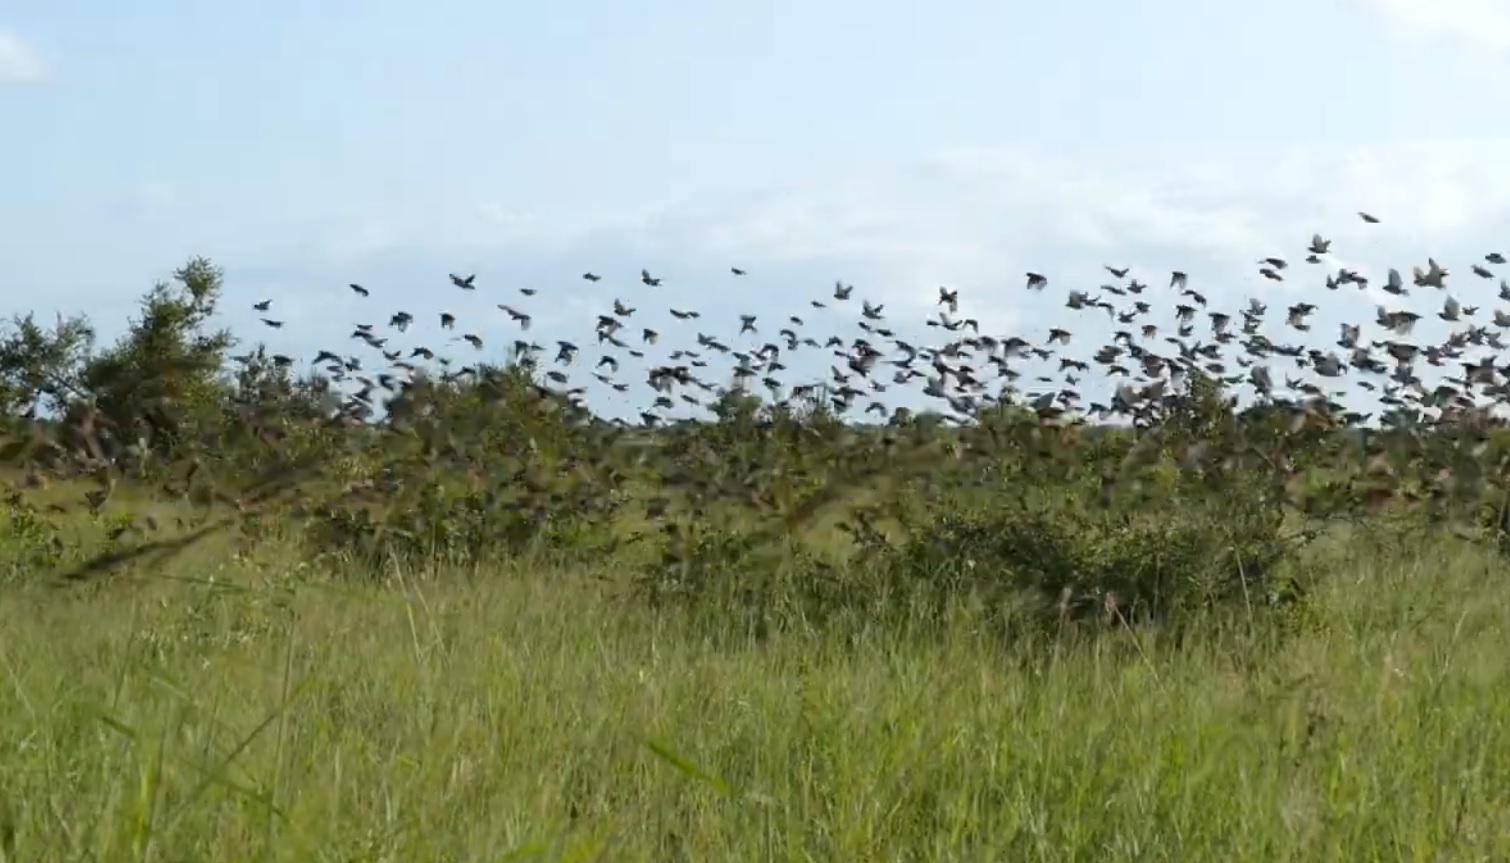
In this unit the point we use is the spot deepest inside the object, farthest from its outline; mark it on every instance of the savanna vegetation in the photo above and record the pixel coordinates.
(1180, 599)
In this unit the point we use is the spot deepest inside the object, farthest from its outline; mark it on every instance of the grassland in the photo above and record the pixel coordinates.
(247, 708)
(239, 622)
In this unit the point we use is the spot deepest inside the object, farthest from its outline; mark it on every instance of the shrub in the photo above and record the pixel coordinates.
(30, 544)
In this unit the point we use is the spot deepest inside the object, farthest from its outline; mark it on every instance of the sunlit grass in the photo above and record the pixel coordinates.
(249, 711)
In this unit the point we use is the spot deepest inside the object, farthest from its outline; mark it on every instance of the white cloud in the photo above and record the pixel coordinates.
(18, 63)
(451, 228)
(360, 240)
(980, 218)
(1479, 23)
(1469, 37)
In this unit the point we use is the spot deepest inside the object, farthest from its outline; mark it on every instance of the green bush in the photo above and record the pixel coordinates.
(30, 544)
(1061, 561)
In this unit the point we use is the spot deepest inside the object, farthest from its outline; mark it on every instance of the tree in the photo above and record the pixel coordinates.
(39, 368)
(164, 376)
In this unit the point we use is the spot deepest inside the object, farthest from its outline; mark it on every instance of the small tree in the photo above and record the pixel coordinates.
(165, 373)
(39, 368)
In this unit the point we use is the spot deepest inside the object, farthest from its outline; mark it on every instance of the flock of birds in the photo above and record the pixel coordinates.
(1146, 339)
(1142, 358)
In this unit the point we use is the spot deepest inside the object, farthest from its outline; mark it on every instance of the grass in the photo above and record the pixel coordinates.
(249, 710)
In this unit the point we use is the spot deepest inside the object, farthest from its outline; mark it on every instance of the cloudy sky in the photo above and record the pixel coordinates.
(898, 146)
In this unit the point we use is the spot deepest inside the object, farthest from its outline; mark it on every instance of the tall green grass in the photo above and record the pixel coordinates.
(249, 709)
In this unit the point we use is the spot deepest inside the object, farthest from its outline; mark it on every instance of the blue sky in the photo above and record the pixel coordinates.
(895, 145)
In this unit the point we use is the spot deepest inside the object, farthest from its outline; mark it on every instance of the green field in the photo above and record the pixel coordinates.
(250, 709)
(487, 624)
